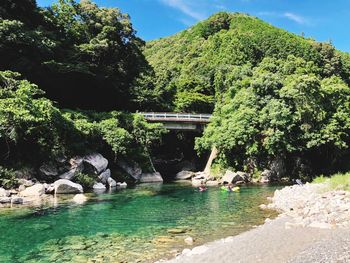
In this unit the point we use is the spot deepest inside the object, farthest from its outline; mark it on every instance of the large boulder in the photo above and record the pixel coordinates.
(228, 177)
(235, 177)
(35, 190)
(64, 186)
(95, 163)
(104, 176)
(184, 175)
(151, 178)
(76, 166)
(48, 171)
(132, 169)
(5, 200)
(4, 193)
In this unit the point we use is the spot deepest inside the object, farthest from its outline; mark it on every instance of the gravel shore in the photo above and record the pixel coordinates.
(313, 227)
(272, 242)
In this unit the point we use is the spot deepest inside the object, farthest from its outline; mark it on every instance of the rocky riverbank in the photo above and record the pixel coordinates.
(312, 205)
(314, 226)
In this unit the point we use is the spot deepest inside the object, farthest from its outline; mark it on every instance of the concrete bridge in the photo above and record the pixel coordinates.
(179, 121)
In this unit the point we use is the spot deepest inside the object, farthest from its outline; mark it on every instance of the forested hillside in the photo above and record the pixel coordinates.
(276, 95)
(73, 73)
(68, 80)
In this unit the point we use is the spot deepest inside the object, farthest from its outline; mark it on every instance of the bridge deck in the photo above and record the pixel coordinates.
(176, 117)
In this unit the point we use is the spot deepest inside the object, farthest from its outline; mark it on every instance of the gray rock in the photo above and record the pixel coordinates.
(4, 193)
(64, 186)
(99, 186)
(242, 176)
(267, 176)
(184, 175)
(95, 163)
(21, 188)
(104, 176)
(17, 200)
(5, 200)
(111, 182)
(228, 177)
(48, 170)
(151, 178)
(69, 175)
(25, 182)
(122, 185)
(35, 190)
(132, 169)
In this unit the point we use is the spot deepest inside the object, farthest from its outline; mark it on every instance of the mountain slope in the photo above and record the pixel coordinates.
(191, 65)
(280, 101)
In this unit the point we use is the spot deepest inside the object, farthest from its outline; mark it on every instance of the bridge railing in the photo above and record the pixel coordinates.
(168, 116)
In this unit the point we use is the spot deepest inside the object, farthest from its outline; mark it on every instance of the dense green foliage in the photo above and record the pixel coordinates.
(335, 182)
(276, 95)
(33, 130)
(81, 55)
(195, 66)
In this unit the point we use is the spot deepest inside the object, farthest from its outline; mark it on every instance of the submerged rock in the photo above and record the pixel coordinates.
(79, 198)
(35, 190)
(151, 178)
(64, 186)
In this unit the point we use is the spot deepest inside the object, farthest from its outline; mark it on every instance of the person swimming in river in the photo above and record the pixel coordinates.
(202, 188)
(230, 187)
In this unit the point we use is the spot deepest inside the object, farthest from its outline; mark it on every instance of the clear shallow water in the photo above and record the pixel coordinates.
(130, 225)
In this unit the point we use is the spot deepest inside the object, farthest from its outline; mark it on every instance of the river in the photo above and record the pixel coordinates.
(130, 225)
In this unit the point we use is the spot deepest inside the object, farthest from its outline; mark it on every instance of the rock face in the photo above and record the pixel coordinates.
(133, 169)
(95, 163)
(64, 186)
(103, 177)
(76, 166)
(35, 190)
(151, 178)
(268, 176)
(235, 177)
(184, 175)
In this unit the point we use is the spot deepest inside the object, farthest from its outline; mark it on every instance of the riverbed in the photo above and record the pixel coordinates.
(131, 225)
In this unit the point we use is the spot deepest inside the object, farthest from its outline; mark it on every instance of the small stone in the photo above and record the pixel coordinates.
(189, 240)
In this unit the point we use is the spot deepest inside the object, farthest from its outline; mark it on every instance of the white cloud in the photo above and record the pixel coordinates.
(185, 7)
(291, 16)
(296, 18)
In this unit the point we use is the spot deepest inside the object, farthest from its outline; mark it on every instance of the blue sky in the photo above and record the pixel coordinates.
(320, 19)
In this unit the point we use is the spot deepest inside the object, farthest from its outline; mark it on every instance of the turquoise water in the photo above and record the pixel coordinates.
(129, 225)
